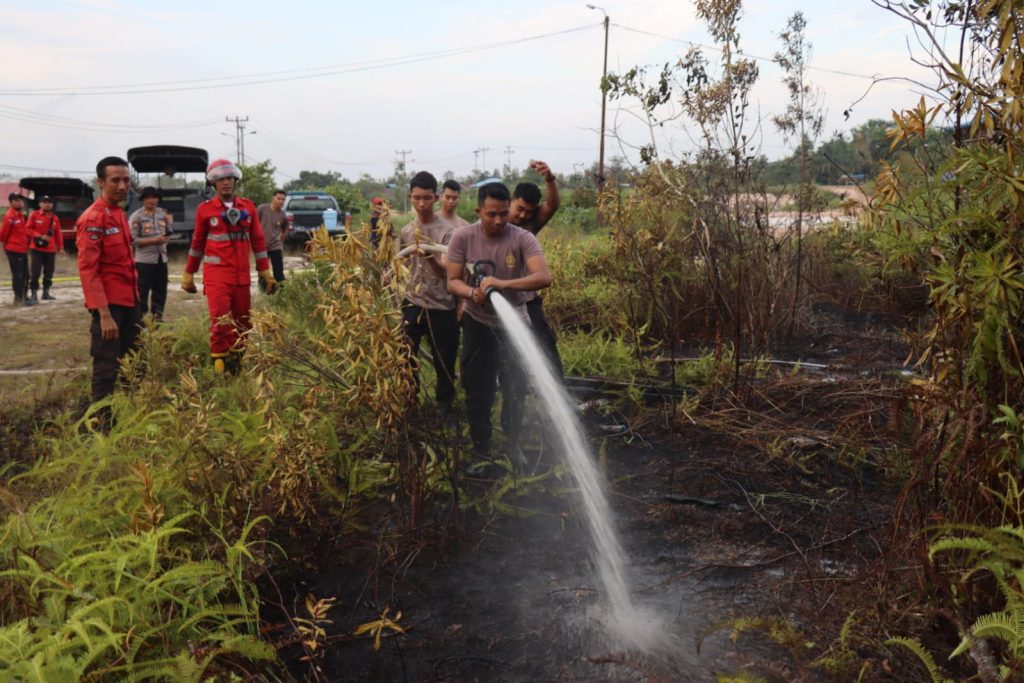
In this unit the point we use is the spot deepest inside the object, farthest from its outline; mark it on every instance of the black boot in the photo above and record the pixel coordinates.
(234, 362)
(47, 296)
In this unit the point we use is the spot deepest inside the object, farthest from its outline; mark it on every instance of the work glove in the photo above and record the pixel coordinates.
(269, 283)
(188, 283)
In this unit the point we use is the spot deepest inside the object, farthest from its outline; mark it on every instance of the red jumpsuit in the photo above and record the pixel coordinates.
(225, 249)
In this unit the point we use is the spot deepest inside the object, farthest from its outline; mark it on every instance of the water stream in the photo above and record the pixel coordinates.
(625, 621)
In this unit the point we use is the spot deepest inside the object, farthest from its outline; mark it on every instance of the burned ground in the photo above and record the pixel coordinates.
(775, 505)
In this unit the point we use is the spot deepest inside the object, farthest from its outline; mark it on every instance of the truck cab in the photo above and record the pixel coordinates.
(181, 178)
(70, 196)
(305, 210)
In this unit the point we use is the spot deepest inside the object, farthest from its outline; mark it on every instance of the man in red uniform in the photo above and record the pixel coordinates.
(47, 242)
(15, 237)
(107, 270)
(225, 228)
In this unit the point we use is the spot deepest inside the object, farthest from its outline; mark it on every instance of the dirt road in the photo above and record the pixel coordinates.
(50, 342)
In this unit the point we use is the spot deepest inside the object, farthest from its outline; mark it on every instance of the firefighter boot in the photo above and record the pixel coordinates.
(219, 362)
(234, 362)
(35, 295)
(47, 296)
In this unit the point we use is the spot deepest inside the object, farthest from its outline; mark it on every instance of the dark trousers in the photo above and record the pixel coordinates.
(107, 353)
(544, 334)
(487, 358)
(277, 263)
(152, 283)
(42, 262)
(19, 274)
(441, 328)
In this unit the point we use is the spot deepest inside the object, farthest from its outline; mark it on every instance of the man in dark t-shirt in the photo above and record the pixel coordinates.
(274, 222)
(517, 267)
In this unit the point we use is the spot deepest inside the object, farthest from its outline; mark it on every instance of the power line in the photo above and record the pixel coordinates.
(279, 76)
(39, 118)
(745, 54)
(36, 168)
(281, 142)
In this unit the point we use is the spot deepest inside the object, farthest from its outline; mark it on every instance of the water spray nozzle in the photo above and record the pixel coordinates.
(480, 270)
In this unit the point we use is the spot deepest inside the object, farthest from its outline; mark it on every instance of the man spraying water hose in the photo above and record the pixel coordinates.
(509, 263)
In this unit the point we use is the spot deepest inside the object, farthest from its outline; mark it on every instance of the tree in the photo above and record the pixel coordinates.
(347, 195)
(803, 119)
(716, 192)
(258, 182)
(951, 212)
(313, 180)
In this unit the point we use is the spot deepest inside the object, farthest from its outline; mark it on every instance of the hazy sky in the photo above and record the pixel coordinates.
(346, 84)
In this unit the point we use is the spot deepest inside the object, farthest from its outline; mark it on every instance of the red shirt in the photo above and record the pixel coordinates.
(105, 263)
(41, 224)
(224, 247)
(14, 232)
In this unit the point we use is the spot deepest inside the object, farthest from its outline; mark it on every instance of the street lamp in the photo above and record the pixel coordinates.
(604, 98)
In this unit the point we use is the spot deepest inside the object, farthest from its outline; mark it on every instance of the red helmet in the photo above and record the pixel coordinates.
(222, 168)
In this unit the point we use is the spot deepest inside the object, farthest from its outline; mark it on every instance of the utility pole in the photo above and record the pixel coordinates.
(508, 159)
(240, 134)
(400, 176)
(483, 153)
(604, 98)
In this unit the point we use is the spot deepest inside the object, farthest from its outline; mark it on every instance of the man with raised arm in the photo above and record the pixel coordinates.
(529, 212)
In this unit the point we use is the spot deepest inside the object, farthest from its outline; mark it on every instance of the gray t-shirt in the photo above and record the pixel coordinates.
(274, 224)
(425, 287)
(508, 253)
(145, 225)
